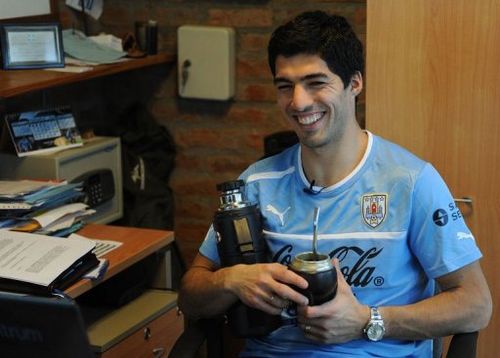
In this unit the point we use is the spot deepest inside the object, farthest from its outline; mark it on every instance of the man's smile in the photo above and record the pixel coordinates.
(308, 119)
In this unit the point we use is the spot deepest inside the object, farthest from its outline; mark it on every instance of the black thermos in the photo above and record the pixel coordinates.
(238, 227)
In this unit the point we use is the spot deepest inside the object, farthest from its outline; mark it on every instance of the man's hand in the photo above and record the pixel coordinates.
(339, 320)
(265, 286)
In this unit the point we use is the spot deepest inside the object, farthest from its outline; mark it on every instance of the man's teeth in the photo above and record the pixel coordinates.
(309, 119)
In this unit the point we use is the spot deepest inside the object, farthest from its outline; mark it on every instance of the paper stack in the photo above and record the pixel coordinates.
(42, 207)
(39, 264)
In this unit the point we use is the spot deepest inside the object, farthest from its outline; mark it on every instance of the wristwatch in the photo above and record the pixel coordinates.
(375, 329)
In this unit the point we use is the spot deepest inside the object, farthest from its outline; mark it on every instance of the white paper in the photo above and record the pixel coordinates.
(102, 247)
(57, 213)
(38, 259)
(70, 69)
(92, 7)
(66, 221)
(14, 188)
(108, 40)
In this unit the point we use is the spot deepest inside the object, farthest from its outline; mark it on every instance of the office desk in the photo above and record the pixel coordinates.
(138, 243)
(150, 324)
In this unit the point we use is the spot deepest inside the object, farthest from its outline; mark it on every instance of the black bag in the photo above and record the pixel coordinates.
(148, 154)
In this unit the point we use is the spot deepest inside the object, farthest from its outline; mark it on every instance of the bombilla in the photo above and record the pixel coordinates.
(315, 233)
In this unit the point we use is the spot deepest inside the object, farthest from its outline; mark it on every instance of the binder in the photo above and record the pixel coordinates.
(71, 275)
(42, 265)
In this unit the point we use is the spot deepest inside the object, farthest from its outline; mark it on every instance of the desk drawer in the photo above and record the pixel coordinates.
(146, 327)
(154, 339)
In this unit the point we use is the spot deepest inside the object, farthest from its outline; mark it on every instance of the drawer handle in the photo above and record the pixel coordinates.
(147, 333)
(158, 352)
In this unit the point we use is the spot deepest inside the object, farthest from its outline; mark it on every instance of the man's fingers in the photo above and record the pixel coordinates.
(340, 276)
(269, 305)
(282, 274)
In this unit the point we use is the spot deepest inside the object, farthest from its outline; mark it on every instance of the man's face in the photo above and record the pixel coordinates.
(313, 99)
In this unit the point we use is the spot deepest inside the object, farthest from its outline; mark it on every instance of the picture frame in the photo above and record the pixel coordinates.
(35, 45)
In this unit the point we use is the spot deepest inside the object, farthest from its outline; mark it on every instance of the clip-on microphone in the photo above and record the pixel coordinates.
(311, 189)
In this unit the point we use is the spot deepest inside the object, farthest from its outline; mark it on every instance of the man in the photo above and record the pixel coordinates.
(387, 219)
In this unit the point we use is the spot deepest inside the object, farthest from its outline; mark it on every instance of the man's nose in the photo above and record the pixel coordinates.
(301, 99)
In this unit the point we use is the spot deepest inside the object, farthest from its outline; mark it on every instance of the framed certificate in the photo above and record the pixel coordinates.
(31, 46)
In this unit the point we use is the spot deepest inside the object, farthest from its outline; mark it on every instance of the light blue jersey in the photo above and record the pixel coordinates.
(392, 223)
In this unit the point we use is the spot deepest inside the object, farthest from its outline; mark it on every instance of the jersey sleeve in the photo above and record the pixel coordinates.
(438, 234)
(208, 247)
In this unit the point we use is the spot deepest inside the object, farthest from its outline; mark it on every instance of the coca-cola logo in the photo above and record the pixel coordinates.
(361, 272)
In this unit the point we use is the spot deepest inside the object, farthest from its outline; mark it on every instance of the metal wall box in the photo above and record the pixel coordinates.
(206, 62)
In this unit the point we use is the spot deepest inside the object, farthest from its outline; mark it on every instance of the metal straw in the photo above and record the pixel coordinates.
(315, 233)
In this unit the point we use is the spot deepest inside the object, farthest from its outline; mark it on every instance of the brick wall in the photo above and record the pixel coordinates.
(215, 140)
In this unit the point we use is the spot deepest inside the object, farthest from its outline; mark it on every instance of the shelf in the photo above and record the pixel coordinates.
(18, 82)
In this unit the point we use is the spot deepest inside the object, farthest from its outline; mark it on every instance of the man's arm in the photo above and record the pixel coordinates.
(464, 305)
(207, 291)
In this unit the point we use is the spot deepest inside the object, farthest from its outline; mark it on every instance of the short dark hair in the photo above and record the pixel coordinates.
(318, 33)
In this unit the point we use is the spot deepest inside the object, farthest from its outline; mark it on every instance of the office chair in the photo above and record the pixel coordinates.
(277, 142)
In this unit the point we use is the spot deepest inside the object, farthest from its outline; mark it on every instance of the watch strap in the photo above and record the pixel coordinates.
(375, 314)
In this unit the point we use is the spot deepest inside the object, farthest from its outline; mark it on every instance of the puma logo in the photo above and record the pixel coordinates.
(275, 211)
(463, 236)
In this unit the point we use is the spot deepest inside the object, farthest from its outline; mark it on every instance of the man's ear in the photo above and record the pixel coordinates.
(356, 83)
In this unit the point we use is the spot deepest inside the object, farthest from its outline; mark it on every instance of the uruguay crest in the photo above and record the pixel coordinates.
(374, 208)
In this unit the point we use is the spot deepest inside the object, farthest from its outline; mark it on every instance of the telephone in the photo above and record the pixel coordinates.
(98, 186)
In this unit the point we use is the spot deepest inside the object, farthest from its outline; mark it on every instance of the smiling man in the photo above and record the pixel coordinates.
(378, 206)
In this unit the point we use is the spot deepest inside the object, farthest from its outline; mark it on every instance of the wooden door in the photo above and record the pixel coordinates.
(433, 86)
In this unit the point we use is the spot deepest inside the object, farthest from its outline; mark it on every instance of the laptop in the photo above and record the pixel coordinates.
(33, 326)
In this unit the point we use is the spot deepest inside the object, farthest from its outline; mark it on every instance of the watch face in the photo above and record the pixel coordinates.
(375, 332)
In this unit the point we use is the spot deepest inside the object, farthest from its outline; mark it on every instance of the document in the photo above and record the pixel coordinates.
(52, 216)
(91, 7)
(16, 188)
(79, 46)
(38, 259)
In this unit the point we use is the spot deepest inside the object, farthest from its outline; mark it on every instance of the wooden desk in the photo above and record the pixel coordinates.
(148, 324)
(138, 243)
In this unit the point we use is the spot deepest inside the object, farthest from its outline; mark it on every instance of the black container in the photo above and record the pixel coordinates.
(321, 275)
(146, 34)
(238, 227)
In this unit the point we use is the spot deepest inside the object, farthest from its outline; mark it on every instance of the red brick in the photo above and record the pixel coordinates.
(178, 16)
(257, 92)
(251, 68)
(258, 17)
(253, 42)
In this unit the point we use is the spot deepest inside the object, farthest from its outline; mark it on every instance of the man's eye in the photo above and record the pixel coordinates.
(317, 84)
(283, 87)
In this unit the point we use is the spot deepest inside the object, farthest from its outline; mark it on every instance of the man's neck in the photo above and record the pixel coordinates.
(329, 165)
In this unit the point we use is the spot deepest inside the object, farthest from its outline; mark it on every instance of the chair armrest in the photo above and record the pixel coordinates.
(195, 334)
(463, 345)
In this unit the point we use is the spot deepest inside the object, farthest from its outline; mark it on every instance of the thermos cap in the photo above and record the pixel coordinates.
(230, 185)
